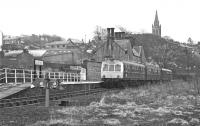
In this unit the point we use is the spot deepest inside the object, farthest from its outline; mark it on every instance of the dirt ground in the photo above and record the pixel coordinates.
(168, 104)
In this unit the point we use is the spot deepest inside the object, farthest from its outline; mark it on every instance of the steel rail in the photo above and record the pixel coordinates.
(16, 102)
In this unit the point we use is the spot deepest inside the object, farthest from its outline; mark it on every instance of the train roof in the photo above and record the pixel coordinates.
(127, 62)
(164, 69)
(152, 64)
(134, 63)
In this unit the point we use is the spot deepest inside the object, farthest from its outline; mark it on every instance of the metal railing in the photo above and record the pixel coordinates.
(16, 76)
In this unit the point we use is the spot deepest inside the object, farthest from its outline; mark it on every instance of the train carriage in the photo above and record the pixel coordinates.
(152, 72)
(134, 71)
(117, 73)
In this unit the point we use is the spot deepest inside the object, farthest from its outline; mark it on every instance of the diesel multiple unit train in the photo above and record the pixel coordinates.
(117, 73)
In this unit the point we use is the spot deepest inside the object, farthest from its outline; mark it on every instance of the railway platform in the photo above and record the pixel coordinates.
(13, 81)
(13, 90)
(82, 82)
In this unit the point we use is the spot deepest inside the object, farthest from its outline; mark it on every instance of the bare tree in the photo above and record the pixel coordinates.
(99, 33)
(190, 41)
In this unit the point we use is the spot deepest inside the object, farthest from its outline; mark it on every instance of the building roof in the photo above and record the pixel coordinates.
(56, 52)
(56, 43)
(34, 53)
(75, 41)
(70, 40)
(124, 43)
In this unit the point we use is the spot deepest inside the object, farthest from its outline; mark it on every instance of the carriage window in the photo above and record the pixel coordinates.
(111, 68)
(117, 67)
(105, 67)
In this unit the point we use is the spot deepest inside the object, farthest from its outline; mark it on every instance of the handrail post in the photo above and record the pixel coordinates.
(73, 75)
(67, 77)
(24, 79)
(44, 73)
(38, 74)
(63, 77)
(15, 76)
(31, 76)
(6, 76)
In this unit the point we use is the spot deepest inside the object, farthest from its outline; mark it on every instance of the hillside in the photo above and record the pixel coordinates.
(32, 41)
(166, 52)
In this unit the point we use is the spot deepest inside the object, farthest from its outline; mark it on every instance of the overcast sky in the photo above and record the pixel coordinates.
(180, 19)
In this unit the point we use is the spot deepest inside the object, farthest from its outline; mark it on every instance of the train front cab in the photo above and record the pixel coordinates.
(111, 73)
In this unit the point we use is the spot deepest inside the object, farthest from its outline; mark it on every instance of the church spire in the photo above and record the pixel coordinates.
(156, 21)
(156, 27)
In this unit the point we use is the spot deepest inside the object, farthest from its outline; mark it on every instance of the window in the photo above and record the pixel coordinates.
(117, 67)
(111, 68)
(105, 67)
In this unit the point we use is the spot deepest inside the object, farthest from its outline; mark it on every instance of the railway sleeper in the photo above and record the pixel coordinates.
(30, 101)
(55, 98)
(2, 105)
(8, 104)
(24, 102)
(35, 101)
(41, 100)
(17, 103)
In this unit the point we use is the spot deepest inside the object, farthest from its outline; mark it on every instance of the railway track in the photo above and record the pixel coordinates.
(23, 101)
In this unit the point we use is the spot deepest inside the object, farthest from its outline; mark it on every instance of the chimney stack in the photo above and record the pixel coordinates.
(110, 40)
(108, 33)
(112, 33)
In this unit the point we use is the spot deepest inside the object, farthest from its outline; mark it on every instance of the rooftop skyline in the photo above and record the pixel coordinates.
(77, 19)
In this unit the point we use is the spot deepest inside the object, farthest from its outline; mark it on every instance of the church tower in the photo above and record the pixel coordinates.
(156, 27)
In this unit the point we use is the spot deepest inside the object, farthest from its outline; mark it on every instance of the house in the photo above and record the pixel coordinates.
(68, 56)
(21, 58)
(70, 43)
(56, 45)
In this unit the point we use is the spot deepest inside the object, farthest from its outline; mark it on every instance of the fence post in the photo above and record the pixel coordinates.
(15, 76)
(24, 79)
(6, 76)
